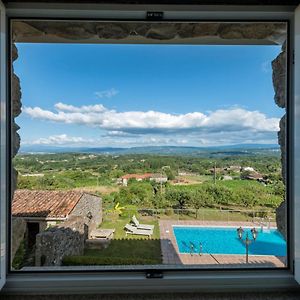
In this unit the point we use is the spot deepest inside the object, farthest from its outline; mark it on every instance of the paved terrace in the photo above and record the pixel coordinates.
(171, 255)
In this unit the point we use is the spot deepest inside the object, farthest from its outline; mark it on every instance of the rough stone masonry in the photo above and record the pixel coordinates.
(65, 239)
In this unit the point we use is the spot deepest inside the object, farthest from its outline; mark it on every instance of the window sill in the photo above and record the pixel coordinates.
(136, 282)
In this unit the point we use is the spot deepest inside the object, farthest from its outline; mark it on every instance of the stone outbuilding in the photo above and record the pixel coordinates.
(41, 209)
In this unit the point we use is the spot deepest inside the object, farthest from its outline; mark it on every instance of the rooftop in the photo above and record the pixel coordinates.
(137, 176)
(39, 203)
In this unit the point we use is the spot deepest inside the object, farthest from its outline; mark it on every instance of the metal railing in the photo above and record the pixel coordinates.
(261, 217)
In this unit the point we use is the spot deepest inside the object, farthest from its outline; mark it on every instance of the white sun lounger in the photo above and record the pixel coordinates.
(129, 229)
(102, 233)
(138, 225)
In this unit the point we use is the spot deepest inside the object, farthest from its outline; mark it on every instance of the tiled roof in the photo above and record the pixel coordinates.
(53, 204)
(255, 176)
(137, 176)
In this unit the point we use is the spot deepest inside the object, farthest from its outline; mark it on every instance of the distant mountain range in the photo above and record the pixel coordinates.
(162, 150)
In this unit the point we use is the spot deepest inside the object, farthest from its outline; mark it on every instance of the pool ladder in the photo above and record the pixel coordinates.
(192, 249)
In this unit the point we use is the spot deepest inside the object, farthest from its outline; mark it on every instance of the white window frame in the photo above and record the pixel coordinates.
(173, 281)
(3, 147)
(296, 138)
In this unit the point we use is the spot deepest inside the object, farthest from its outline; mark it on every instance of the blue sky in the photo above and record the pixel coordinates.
(137, 95)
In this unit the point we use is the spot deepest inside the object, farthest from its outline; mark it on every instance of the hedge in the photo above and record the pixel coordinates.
(96, 260)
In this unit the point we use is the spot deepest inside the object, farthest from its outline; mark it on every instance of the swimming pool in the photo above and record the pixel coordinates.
(224, 240)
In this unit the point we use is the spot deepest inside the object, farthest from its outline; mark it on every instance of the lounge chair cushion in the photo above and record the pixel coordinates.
(101, 233)
(135, 221)
(133, 230)
(129, 227)
(138, 225)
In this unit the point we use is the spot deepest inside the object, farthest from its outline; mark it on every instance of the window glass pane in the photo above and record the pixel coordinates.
(149, 144)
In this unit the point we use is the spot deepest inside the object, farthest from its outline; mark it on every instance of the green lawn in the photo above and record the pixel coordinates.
(122, 250)
(129, 251)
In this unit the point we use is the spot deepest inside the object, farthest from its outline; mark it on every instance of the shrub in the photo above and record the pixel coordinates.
(129, 211)
(169, 212)
(96, 260)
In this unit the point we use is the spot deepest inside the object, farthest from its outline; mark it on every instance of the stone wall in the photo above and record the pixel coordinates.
(18, 226)
(90, 208)
(279, 67)
(56, 242)
(66, 31)
(16, 110)
(68, 238)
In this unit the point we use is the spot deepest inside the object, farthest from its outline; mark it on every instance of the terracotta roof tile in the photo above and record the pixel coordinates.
(137, 176)
(54, 204)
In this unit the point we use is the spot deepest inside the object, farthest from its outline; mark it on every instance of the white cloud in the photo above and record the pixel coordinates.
(115, 133)
(154, 122)
(226, 126)
(107, 93)
(193, 139)
(61, 139)
(82, 109)
(104, 141)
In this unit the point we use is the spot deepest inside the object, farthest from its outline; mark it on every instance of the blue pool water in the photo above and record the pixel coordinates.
(224, 240)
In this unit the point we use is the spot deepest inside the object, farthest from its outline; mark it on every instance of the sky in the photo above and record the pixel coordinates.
(140, 95)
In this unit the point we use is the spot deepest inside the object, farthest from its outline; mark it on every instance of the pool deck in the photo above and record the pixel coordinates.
(171, 255)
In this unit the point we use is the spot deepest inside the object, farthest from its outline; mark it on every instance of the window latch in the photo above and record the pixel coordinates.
(155, 15)
(154, 274)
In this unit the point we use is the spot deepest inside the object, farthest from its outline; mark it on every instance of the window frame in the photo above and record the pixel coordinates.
(156, 267)
(3, 135)
(183, 280)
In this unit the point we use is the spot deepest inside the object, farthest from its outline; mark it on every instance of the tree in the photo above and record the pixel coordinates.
(180, 198)
(200, 198)
(220, 194)
(170, 174)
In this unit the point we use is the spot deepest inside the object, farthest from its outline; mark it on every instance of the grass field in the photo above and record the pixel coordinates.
(122, 250)
(102, 189)
(146, 250)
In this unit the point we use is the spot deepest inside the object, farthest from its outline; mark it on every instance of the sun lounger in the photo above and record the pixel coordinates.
(129, 229)
(138, 225)
(102, 233)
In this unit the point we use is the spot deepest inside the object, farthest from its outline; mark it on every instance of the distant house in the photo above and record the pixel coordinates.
(159, 178)
(254, 176)
(33, 175)
(250, 169)
(137, 177)
(233, 168)
(40, 209)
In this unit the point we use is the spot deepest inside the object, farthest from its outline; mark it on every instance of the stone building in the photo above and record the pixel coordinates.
(35, 211)
(158, 178)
